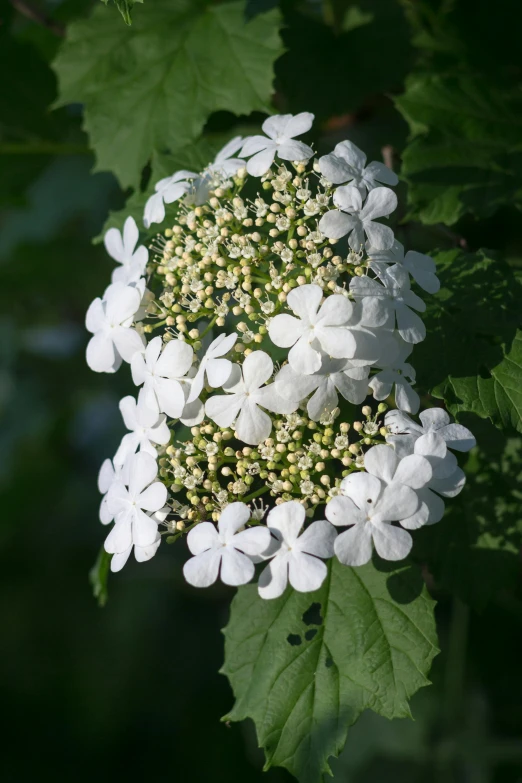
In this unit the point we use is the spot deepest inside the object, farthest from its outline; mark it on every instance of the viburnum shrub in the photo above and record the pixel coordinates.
(265, 327)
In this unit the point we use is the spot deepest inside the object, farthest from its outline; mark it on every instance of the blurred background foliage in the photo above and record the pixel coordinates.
(434, 87)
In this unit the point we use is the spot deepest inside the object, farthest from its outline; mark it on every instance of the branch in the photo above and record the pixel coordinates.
(35, 15)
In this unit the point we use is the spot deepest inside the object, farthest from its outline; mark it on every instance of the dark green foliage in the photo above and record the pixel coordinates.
(132, 691)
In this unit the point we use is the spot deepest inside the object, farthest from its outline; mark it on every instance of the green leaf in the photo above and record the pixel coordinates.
(304, 679)
(98, 576)
(125, 8)
(152, 87)
(473, 356)
(465, 150)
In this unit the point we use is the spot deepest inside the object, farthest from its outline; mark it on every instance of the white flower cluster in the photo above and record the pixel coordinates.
(267, 342)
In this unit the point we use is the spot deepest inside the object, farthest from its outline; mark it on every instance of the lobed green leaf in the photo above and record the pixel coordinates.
(305, 677)
(152, 87)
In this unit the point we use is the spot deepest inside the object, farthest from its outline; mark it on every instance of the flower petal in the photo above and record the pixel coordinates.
(354, 546)
(224, 408)
(396, 502)
(175, 360)
(415, 471)
(253, 425)
(363, 489)
(232, 518)
(391, 543)
(381, 461)
(100, 353)
(284, 330)
(306, 573)
(341, 511)
(143, 469)
(202, 570)
(120, 537)
(380, 203)
(304, 301)
(170, 396)
(318, 539)
(128, 342)
(261, 162)
(154, 497)
(303, 358)
(336, 224)
(288, 518)
(202, 537)
(257, 369)
(274, 578)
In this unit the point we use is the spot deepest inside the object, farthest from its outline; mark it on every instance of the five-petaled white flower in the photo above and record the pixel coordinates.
(280, 132)
(347, 164)
(162, 374)
(421, 267)
(129, 504)
(335, 375)
(213, 366)
(369, 505)
(354, 219)
(147, 427)
(167, 190)
(317, 328)
(122, 247)
(227, 551)
(246, 395)
(448, 479)
(413, 470)
(297, 558)
(110, 321)
(393, 296)
(433, 420)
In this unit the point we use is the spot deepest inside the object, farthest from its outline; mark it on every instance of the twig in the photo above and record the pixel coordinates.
(35, 15)
(387, 155)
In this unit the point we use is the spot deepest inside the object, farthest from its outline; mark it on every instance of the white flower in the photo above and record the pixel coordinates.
(317, 327)
(370, 506)
(161, 373)
(394, 297)
(421, 267)
(346, 164)
(168, 190)
(147, 427)
(433, 420)
(122, 249)
(109, 473)
(215, 368)
(141, 553)
(448, 479)
(281, 131)
(245, 397)
(354, 219)
(223, 166)
(110, 321)
(335, 375)
(128, 505)
(413, 470)
(400, 374)
(225, 551)
(297, 558)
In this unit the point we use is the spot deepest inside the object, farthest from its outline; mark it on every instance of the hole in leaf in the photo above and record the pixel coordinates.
(312, 616)
(329, 662)
(294, 639)
(310, 634)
